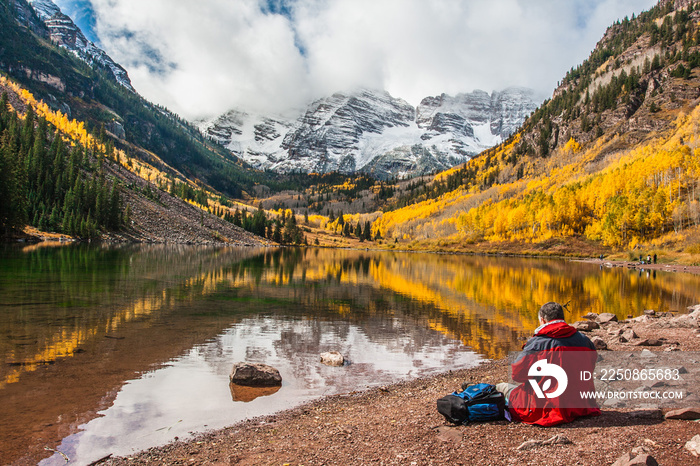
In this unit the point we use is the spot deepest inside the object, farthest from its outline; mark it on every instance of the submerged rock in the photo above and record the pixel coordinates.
(255, 375)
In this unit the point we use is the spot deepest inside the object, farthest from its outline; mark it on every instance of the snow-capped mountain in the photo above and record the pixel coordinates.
(66, 34)
(373, 132)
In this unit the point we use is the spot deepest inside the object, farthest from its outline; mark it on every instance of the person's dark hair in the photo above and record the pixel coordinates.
(551, 311)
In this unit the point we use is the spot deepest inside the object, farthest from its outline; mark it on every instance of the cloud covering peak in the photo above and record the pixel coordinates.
(203, 58)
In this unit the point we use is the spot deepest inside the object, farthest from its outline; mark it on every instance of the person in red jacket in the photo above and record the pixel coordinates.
(550, 372)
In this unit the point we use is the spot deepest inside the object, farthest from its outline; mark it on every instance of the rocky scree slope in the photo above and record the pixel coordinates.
(372, 132)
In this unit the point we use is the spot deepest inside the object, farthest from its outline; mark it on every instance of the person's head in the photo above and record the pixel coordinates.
(550, 311)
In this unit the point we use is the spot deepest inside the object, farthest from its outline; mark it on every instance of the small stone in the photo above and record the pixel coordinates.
(649, 312)
(640, 450)
(450, 434)
(590, 316)
(529, 445)
(685, 414)
(599, 343)
(693, 445)
(627, 336)
(556, 440)
(332, 358)
(649, 342)
(585, 325)
(628, 460)
(606, 317)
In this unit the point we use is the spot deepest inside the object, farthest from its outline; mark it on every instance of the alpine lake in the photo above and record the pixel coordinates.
(115, 349)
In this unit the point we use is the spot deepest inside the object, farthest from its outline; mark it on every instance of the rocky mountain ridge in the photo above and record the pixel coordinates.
(633, 85)
(64, 32)
(372, 132)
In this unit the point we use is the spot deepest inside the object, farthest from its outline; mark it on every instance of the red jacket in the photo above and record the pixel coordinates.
(556, 343)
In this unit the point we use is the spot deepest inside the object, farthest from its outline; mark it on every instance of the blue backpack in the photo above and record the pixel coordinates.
(476, 403)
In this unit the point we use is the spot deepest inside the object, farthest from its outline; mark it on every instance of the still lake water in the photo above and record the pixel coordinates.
(111, 350)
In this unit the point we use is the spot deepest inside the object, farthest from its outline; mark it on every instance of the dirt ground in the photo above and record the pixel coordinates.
(399, 424)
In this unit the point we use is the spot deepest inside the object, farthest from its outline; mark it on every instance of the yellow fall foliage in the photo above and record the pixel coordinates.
(650, 190)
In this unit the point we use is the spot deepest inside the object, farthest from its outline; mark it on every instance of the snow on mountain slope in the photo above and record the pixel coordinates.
(66, 34)
(373, 132)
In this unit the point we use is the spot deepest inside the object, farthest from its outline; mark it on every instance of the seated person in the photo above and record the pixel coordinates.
(548, 370)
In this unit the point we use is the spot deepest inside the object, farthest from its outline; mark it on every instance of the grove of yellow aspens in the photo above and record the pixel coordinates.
(649, 191)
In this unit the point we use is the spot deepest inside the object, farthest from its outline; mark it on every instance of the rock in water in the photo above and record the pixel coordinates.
(255, 375)
(332, 358)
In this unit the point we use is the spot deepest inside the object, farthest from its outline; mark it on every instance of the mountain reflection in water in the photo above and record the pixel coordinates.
(134, 344)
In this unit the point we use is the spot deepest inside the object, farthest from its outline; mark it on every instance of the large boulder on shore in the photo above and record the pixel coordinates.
(686, 414)
(585, 325)
(255, 375)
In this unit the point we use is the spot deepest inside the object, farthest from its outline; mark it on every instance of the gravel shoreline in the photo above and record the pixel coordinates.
(399, 424)
(694, 269)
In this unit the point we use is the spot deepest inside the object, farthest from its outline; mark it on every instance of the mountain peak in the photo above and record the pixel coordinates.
(369, 130)
(65, 33)
(45, 9)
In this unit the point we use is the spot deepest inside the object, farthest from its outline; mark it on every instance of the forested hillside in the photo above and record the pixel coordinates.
(56, 176)
(79, 151)
(50, 183)
(92, 95)
(612, 158)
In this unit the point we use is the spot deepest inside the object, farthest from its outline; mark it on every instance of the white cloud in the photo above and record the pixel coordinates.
(202, 58)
